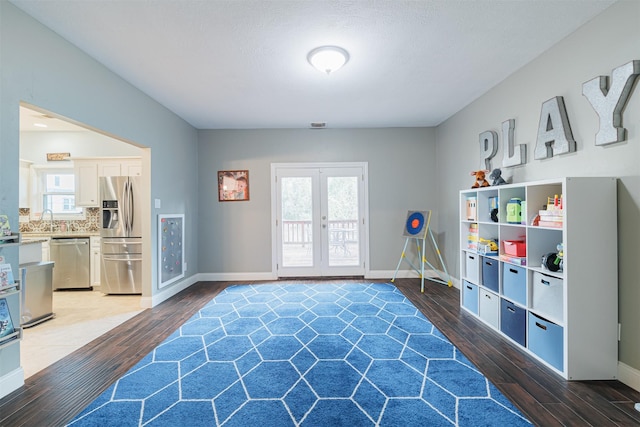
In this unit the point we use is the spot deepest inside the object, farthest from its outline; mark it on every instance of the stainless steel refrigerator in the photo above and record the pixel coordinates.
(121, 235)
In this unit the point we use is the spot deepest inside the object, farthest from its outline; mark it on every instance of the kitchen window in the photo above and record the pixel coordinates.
(56, 190)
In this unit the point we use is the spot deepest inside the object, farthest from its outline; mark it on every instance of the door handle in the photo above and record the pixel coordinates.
(69, 244)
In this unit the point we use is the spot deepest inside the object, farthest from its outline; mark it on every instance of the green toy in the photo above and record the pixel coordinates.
(514, 210)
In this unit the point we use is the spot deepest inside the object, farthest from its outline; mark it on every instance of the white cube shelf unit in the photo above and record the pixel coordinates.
(567, 319)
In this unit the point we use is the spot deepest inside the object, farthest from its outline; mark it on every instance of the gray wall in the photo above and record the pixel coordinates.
(609, 41)
(42, 69)
(236, 237)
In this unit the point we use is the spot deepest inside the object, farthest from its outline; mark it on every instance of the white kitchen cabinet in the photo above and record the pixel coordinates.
(46, 251)
(568, 318)
(86, 172)
(96, 260)
(24, 184)
(120, 167)
(109, 168)
(131, 167)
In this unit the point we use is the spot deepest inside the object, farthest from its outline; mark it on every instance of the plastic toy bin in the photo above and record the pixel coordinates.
(514, 283)
(513, 321)
(515, 247)
(545, 340)
(490, 273)
(472, 263)
(548, 295)
(470, 297)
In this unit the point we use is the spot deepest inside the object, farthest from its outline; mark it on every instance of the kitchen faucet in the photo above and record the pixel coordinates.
(50, 221)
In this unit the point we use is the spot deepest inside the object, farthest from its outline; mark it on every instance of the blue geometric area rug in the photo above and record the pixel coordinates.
(304, 355)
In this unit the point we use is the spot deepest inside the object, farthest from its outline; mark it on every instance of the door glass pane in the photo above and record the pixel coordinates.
(297, 222)
(342, 208)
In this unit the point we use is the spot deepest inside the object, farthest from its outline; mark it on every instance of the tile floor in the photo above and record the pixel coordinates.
(81, 316)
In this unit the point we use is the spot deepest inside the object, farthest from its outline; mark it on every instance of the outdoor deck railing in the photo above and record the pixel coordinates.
(296, 232)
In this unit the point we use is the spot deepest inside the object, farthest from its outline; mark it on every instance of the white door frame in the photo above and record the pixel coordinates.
(365, 208)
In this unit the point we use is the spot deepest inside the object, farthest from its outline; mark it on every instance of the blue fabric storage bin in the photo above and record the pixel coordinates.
(546, 340)
(490, 274)
(514, 283)
(470, 297)
(513, 321)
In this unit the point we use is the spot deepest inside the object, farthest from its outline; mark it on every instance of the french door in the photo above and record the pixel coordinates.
(321, 219)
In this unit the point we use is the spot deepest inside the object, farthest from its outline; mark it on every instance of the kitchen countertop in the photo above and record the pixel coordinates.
(30, 240)
(29, 237)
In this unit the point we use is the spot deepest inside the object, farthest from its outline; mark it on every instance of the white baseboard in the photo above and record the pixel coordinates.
(267, 275)
(11, 381)
(165, 294)
(236, 277)
(629, 376)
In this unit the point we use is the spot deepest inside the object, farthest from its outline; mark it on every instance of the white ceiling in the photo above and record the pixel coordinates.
(238, 64)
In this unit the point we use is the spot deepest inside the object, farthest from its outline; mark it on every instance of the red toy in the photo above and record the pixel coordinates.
(480, 178)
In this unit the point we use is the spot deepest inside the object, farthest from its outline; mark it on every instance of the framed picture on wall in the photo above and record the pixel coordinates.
(233, 186)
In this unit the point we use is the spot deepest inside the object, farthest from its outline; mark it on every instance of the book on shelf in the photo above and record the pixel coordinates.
(551, 218)
(6, 276)
(513, 259)
(6, 324)
(5, 228)
(553, 224)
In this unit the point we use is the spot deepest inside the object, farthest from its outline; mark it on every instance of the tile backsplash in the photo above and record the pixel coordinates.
(90, 224)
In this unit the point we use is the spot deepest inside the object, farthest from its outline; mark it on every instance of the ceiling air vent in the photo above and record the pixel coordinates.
(318, 125)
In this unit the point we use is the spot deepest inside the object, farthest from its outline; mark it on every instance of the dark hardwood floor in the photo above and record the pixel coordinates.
(52, 397)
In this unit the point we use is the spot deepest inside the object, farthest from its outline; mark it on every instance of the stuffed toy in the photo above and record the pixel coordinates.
(496, 176)
(480, 179)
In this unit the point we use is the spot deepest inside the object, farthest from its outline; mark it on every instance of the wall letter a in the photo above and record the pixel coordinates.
(609, 103)
(554, 132)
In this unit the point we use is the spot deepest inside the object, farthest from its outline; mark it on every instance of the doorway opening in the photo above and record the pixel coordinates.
(321, 219)
(49, 147)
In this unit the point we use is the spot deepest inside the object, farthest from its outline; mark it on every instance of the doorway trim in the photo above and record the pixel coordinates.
(319, 165)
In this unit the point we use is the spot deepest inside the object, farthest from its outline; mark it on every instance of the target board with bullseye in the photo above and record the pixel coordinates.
(417, 224)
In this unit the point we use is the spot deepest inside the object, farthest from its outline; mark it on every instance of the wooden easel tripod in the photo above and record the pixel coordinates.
(422, 237)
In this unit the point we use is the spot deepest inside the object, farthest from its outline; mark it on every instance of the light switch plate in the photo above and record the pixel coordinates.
(157, 203)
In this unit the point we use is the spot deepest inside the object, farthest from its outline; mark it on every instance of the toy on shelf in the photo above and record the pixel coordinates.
(472, 210)
(493, 208)
(496, 177)
(552, 215)
(554, 261)
(5, 228)
(514, 211)
(480, 178)
(487, 246)
(472, 237)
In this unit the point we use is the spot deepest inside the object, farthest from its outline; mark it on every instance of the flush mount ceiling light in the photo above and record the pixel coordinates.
(328, 59)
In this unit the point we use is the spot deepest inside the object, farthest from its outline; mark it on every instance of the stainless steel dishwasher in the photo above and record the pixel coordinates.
(37, 292)
(71, 258)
